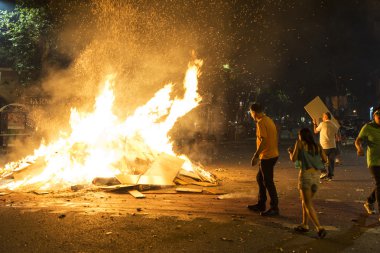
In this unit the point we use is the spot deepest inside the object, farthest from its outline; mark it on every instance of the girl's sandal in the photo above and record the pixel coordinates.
(301, 229)
(322, 233)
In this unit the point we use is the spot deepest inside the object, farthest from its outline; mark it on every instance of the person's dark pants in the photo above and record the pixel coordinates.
(265, 181)
(375, 171)
(331, 154)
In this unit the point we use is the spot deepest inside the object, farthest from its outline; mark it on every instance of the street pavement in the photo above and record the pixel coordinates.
(165, 221)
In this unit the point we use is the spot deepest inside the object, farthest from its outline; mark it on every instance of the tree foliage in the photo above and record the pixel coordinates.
(23, 34)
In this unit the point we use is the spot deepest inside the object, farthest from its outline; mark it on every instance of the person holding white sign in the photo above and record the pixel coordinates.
(327, 138)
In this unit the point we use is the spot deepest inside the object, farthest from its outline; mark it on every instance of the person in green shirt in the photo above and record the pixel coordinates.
(370, 134)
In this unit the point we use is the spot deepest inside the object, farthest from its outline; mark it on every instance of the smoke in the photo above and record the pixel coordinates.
(143, 45)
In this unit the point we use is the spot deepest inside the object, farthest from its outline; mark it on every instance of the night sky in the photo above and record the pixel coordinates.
(308, 48)
(299, 48)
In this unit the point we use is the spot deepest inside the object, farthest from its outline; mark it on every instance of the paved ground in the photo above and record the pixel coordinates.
(99, 221)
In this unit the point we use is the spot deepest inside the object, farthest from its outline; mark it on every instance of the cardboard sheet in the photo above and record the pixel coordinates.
(163, 171)
(315, 108)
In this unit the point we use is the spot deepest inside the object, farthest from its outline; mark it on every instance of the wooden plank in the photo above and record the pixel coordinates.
(41, 192)
(180, 182)
(189, 189)
(206, 184)
(214, 191)
(136, 194)
(188, 180)
(162, 191)
(116, 187)
(190, 174)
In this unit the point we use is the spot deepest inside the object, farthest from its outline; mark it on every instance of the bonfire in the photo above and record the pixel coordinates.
(100, 148)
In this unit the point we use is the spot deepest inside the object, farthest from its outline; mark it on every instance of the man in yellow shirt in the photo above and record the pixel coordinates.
(266, 156)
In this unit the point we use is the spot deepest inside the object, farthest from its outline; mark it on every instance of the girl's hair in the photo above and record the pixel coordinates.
(307, 137)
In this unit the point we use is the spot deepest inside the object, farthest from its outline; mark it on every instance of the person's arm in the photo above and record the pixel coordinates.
(293, 154)
(359, 146)
(262, 135)
(256, 155)
(315, 126)
(260, 148)
(362, 136)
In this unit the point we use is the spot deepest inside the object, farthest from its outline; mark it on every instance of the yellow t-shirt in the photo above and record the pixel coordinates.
(266, 129)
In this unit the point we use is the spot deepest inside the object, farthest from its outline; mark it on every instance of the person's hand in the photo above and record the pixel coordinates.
(315, 122)
(360, 152)
(254, 161)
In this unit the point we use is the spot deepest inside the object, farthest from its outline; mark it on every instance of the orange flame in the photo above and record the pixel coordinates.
(100, 145)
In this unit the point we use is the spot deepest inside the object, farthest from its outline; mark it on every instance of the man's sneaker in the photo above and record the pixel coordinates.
(323, 176)
(256, 208)
(270, 212)
(370, 208)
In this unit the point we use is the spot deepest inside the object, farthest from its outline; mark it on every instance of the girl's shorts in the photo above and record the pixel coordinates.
(308, 179)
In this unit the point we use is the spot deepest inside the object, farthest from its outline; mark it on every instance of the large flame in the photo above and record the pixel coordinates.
(101, 145)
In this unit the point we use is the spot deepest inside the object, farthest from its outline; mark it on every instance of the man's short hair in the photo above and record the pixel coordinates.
(328, 115)
(256, 108)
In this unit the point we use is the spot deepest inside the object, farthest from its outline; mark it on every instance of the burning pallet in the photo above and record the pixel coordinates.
(166, 171)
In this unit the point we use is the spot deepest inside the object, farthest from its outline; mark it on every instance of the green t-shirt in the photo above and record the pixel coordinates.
(370, 133)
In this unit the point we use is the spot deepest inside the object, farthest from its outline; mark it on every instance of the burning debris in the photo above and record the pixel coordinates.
(102, 150)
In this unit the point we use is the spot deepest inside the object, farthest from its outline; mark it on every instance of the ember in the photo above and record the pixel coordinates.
(136, 151)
